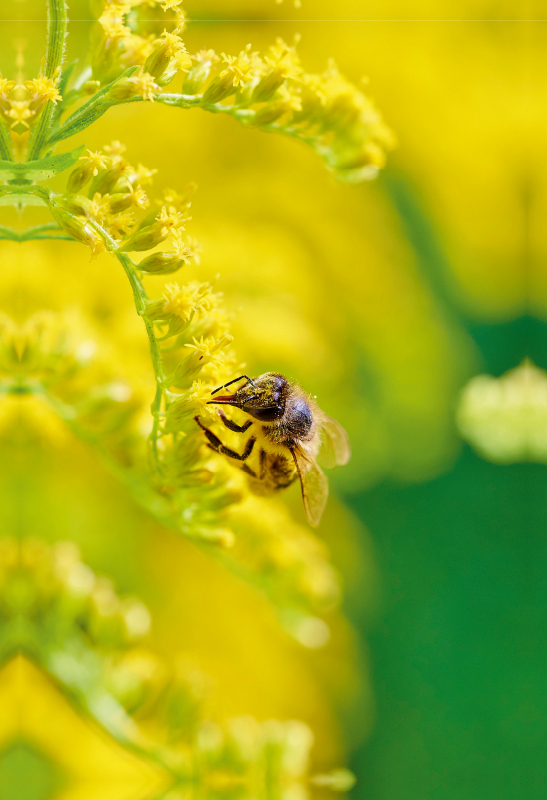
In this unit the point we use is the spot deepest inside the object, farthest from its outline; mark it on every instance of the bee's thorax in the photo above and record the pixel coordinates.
(297, 424)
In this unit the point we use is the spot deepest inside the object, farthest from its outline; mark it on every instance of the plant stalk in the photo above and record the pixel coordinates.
(57, 24)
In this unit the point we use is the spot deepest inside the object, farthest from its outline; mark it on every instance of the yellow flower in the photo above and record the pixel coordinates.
(171, 222)
(6, 88)
(136, 49)
(168, 5)
(240, 68)
(187, 251)
(179, 201)
(99, 207)
(205, 57)
(187, 300)
(120, 224)
(42, 89)
(92, 162)
(283, 60)
(115, 150)
(168, 56)
(20, 112)
(144, 175)
(113, 20)
(146, 86)
(207, 348)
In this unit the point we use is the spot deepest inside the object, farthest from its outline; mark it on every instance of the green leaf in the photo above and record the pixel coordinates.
(50, 230)
(9, 233)
(40, 170)
(21, 198)
(90, 111)
(65, 77)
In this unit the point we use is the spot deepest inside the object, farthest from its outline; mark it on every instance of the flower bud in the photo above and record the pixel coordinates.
(267, 87)
(267, 114)
(145, 239)
(120, 201)
(79, 229)
(218, 90)
(167, 76)
(122, 90)
(161, 263)
(179, 413)
(157, 63)
(107, 178)
(90, 87)
(169, 56)
(79, 177)
(77, 204)
(196, 78)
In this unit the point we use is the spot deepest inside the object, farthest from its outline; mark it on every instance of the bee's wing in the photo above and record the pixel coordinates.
(335, 448)
(314, 485)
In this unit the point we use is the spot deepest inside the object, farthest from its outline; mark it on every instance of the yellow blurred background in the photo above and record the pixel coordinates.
(367, 295)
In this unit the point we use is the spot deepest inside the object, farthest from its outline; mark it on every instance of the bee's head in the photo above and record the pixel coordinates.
(262, 398)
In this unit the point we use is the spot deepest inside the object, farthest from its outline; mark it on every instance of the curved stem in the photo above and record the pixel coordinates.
(140, 296)
(57, 21)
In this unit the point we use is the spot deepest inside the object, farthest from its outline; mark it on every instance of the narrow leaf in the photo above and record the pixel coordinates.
(39, 170)
(90, 111)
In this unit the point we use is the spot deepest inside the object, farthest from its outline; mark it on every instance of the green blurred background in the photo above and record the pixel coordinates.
(383, 299)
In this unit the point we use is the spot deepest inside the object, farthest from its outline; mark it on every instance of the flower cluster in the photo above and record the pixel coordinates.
(72, 623)
(21, 103)
(505, 419)
(58, 362)
(271, 91)
(119, 45)
(107, 205)
(104, 195)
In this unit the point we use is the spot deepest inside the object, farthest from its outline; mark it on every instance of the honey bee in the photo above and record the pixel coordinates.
(292, 433)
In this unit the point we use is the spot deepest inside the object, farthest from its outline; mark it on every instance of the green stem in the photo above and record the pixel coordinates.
(139, 293)
(6, 152)
(57, 22)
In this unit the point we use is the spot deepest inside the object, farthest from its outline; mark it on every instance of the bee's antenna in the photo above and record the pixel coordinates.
(234, 381)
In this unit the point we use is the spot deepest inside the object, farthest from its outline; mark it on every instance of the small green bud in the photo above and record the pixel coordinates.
(145, 239)
(77, 204)
(196, 78)
(267, 87)
(120, 201)
(267, 114)
(79, 177)
(122, 90)
(167, 76)
(218, 90)
(107, 179)
(90, 87)
(79, 229)
(161, 263)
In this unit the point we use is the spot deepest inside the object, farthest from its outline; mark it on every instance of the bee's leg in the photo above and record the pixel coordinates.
(233, 426)
(216, 444)
(248, 470)
(262, 464)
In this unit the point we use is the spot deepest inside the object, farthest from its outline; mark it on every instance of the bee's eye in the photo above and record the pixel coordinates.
(268, 414)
